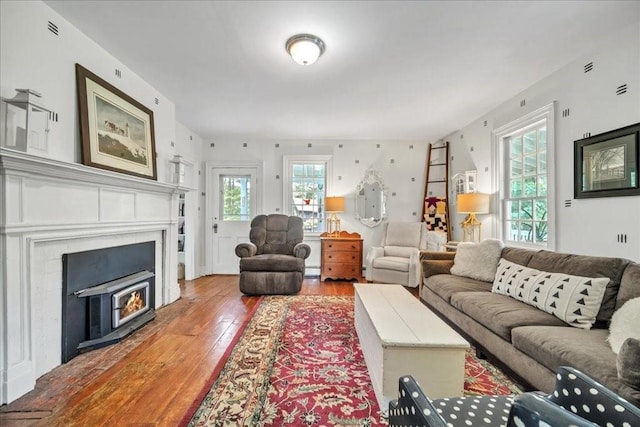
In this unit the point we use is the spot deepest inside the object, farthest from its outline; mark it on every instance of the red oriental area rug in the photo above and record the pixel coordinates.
(299, 362)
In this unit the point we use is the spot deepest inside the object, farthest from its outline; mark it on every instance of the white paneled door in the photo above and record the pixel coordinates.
(232, 202)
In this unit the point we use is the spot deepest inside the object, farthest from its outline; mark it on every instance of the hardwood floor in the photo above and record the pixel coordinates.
(152, 377)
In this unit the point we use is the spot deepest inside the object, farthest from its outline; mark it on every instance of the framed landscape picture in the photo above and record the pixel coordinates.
(117, 131)
(607, 164)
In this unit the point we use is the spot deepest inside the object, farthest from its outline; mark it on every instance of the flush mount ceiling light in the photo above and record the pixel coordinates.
(305, 49)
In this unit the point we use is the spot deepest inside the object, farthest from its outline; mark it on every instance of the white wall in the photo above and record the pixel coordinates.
(401, 165)
(588, 226)
(190, 146)
(33, 57)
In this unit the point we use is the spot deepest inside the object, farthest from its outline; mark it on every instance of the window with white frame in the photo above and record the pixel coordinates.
(525, 149)
(305, 188)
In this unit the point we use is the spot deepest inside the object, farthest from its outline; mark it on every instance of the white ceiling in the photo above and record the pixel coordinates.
(397, 70)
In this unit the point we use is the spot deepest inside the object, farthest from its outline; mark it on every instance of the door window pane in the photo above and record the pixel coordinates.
(236, 197)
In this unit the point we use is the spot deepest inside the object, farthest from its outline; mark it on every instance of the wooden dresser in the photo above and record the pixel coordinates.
(341, 256)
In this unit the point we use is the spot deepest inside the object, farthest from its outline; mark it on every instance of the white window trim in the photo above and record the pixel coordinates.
(287, 161)
(498, 188)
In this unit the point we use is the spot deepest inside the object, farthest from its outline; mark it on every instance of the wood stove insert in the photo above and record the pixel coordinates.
(107, 294)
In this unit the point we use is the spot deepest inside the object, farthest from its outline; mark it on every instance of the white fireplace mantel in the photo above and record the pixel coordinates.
(49, 208)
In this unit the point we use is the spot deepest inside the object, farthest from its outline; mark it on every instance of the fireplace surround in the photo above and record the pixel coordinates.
(49, 208)
(106, 295)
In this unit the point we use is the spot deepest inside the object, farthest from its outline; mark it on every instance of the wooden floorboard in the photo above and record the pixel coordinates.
(153, 376)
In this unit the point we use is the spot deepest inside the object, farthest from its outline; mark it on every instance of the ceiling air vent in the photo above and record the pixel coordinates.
(567, 203)
(566, 112)
(52, 27)
(118, 73)
(588, 67)
(523, 103)
(621, 89)
(157, 101)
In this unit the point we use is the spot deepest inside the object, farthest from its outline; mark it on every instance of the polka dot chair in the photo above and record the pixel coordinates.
(577, 400)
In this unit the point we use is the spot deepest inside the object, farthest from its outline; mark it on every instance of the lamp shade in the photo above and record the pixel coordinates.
(334, 204)
(473, 203)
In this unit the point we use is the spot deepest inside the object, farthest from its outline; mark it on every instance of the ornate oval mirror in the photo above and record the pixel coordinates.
(371, 197)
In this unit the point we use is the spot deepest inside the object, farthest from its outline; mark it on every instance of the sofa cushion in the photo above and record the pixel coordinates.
(477, 260)
(445, 285)
(625, 323)
(586, 266)
(392, 263)
(629, 285)
(518, 255)
(584, 350)
(573, 299)
(501, 314)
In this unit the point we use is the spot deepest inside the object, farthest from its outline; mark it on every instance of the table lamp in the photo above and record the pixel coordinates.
(333, 205)
(472, 204)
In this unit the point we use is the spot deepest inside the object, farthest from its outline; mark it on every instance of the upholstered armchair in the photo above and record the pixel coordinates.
(577, 400)
(274, 261)
(397, 259)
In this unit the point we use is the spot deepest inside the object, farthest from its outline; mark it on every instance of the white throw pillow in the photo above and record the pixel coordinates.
(477, 260)
(572, 299)
(625, 323)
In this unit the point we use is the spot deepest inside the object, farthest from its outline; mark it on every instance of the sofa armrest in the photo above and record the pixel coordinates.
(302, 250)
(415, 278)
(437, 255)
(436, 263)
(244, 250)
(374, 252)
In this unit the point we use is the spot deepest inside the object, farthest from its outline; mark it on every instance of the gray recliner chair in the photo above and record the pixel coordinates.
(274, 262)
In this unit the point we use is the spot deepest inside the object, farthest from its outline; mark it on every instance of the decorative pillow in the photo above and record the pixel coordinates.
(572, 299)
(625, 323)
(477, 260)
(628, 363)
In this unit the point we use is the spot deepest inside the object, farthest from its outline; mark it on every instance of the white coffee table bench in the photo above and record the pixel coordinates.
(399, 335)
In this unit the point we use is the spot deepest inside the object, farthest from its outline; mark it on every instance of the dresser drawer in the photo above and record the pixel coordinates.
(336, 256)
(341, 270)
(338, 246)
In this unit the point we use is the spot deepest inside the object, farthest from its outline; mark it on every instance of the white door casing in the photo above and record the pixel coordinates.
(222, 236)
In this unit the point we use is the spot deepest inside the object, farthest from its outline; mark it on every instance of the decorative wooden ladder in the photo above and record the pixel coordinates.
(437, 221)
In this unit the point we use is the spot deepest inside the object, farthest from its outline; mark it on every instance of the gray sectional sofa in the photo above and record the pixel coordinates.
(529, 342)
